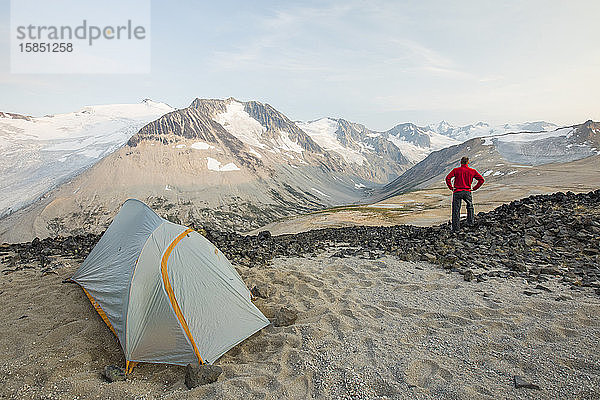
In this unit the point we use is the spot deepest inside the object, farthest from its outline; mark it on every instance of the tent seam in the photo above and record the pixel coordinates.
(100, 311)
(169, 289)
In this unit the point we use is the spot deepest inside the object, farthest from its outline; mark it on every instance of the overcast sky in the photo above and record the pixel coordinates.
(373, 62)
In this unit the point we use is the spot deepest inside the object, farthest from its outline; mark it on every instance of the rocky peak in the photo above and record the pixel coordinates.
(443, 126)
(14, 116)
(588, 132)
(350, 132)
(275, 122)
(210, 107)
(411, 133)
(189, 123)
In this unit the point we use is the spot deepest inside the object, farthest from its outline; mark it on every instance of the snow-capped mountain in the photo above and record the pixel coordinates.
(501, 156)
(480, 129)
(405, 143)
(39, 153)
(559, 145)
(233, 164)
(220, 163)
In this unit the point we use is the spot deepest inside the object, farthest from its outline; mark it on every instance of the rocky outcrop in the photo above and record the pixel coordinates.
(537, 238)
(411, 133)
(276, 122)
(14, 116)
(588, 133)
(188, 123)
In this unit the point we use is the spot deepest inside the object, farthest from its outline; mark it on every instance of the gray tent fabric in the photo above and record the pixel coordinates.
(169, 295)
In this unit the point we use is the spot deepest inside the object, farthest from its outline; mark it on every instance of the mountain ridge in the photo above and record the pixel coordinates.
(238, 165)
(507, 150)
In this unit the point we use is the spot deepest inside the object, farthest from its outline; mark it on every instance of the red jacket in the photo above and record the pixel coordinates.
(463, 177)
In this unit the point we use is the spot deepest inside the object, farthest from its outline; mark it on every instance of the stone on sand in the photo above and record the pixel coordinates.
(112, 373)
(198, 375)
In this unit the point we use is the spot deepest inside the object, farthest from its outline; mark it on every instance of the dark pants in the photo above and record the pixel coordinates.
(457, 197)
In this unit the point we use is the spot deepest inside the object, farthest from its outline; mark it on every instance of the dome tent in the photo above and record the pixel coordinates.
(167, 293)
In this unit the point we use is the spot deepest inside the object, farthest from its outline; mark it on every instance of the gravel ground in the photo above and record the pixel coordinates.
(366, 329)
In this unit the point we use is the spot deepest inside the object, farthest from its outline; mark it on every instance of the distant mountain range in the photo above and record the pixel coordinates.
(498, 156)
(480, 129)
(219, 162)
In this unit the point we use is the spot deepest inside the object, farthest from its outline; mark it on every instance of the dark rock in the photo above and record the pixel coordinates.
(544, 288)
(468, 275)
(198, 375)
(285, 317)
(261, 290)
(549, 270)
(521, 383)
(48, 271)
(112, 373)
(264, 235)
(429, 257)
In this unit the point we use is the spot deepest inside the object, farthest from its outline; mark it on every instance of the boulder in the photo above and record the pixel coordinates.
(468, 275)
(112, 373)
(198, 375)
(521, 383)
(261, 290)
(285, 317)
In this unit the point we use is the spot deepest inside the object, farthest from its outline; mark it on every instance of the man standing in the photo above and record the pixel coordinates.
(463, 177)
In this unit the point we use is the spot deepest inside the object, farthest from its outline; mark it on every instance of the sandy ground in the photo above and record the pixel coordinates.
(366, 329)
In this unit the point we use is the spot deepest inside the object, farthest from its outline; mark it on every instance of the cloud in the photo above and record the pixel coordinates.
(340, 42)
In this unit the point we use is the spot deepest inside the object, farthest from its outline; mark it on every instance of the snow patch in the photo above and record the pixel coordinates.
(215, 165)
(241, 125)
(285, 143)
(76, 140)
(488, 172)
(412, 152)
(416, 153)
(180, 146)
(201, 146)
(324, 132)
(254, 152)
(318, 191)
(531, 136)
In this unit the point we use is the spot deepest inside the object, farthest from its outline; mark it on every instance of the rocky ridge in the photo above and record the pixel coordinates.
(14, 116)
(536, 238)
